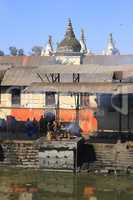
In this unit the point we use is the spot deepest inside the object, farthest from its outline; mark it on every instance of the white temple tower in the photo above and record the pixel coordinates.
(111, 49)
(83, 43)
(48, 51)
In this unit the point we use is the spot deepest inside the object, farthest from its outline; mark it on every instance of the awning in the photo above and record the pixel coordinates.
(107, 88)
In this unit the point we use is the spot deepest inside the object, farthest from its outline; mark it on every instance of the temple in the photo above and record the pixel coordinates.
(69, 81)
(54, 105)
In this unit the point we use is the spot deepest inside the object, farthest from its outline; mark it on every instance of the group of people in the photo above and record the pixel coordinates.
(46, 126)
(8, 124)
(37, 128)
(29, 127)
(51, 129)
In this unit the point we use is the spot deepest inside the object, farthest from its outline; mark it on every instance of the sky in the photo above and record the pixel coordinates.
(26, 23)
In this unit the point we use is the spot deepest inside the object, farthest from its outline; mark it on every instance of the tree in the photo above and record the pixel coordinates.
(1, 53)
(13, 51)
(20, 52)
(36, 50)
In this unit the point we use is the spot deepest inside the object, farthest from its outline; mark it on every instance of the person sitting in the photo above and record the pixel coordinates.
(29, 127)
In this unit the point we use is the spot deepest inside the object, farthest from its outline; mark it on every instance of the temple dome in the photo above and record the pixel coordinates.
(69, 43)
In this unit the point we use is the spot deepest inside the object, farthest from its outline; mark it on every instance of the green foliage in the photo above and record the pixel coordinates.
(1, 53)
(13, 51)
(36, 50)
(20, 52)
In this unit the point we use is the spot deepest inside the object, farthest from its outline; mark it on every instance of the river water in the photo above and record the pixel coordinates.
(18, 184)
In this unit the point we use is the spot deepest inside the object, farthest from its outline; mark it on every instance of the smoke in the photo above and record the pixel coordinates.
(73, 128)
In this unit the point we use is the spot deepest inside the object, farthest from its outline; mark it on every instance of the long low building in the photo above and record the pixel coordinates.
(70, 82)
(30, 92)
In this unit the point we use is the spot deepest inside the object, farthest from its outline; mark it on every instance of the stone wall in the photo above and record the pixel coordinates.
(58, 155)
(68, 60)
(54, 155)
(62, 155)
(20, 154)
(117, 156)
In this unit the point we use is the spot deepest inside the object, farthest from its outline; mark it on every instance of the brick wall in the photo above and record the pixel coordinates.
(20, 154)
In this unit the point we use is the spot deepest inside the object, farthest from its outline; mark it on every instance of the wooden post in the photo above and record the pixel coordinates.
(58, 107)
(128, 117)
(77, 109)
(120, 115)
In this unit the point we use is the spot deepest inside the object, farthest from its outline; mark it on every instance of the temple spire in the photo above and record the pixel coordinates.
(69, 32)
(69, 44)
(83, 42)
(111, 49)
(111, 44)
(48, 51)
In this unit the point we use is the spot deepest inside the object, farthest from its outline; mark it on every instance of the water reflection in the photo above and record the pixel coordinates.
(89, 192)
(33, 185)
(23, 192)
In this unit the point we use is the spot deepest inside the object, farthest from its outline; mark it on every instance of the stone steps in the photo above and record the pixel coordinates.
(116, 156)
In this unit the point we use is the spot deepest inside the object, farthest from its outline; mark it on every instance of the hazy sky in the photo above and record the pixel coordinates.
(25, 23)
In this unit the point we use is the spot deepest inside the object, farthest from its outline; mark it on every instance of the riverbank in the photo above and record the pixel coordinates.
(69, 155)
(42, 185)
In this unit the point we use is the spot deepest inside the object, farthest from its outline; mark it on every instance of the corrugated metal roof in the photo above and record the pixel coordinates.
(108, 60)
(90, 69)
(68, 77)
(24, 76)
(27, 60)
(68, 69)
(96, 77)
(20, 77)
(81, 87)
(49, 60)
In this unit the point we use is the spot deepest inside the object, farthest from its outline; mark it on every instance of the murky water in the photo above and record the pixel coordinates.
(36, 185)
